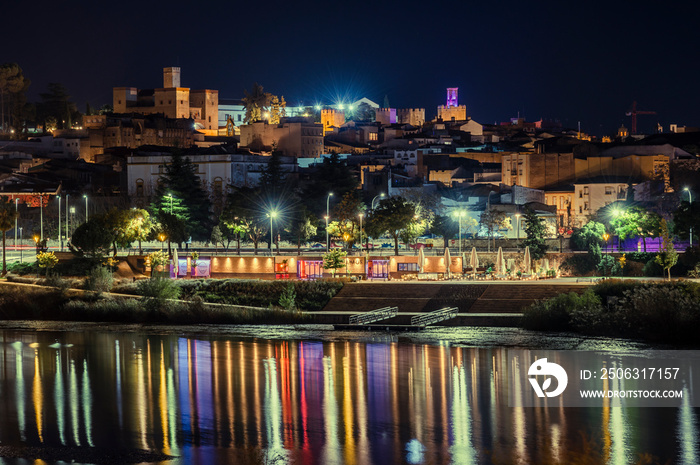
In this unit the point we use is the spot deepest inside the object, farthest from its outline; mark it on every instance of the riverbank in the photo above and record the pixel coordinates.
(660, 311)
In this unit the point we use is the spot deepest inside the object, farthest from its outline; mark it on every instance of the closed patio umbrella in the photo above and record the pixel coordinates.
(421, 260)
(174, 268)
(527, 262)
(447, 262)
(474, 260)
(500, 262)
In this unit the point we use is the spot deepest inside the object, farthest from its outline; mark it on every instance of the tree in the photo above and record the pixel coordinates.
(687, 218)
(494, 220)
(255, 102)
(273, 178)
(245, 212)
(346, 214)
(334, 259)
(333, 175)
(637, 222)
(667, 256)
(535, 230)
(189, 199)
(93, 239)
(445, 226)
(56, 104)
(303, 227)
(7, 221)
(391, 217)
(129, 226)
(11, 81)
(589, 235)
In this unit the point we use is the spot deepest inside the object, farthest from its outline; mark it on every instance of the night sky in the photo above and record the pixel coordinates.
(542, 59)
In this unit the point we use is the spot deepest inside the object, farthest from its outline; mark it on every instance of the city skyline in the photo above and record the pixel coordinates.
(536, 61)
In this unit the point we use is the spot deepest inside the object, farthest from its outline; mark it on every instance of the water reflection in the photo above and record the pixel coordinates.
(384, 402)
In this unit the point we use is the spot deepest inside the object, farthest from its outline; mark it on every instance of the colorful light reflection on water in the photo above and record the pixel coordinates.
(222, 399)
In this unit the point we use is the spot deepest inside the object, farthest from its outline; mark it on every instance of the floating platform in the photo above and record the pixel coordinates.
(350, 327)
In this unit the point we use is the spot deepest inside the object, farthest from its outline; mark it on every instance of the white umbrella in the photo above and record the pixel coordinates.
(464, 260)
(527, 262)
(474, 260)
(175, 266)
(500, 262)
(421, 260)
(511, 265)
(447, 262)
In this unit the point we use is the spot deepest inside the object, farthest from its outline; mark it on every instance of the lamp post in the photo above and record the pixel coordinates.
(67, 217)
(459, 214)
(517, 219)
(488, 209)
(606, 236)
(273, 214)
(328, 216)
(361, 216)
(161, 238)
(41, 216)
(17, 216)
(21, 249)
(690, 200)
(86, 207)
(60, 240)
(375, 198)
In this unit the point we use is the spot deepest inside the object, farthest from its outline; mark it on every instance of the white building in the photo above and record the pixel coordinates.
(144, 169)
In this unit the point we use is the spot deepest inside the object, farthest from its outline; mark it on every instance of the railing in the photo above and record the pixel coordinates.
(375, 315)
(434, 317)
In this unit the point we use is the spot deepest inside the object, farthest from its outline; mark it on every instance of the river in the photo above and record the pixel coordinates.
(310, 395)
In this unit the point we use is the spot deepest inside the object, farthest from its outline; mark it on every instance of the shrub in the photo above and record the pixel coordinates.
(653, 269)
(614, 288)
(634, 269)
(156, 292)
(23, 268)
(287, 298)
(551, 314)
(54, 280)
(578, 265)
(99, 280)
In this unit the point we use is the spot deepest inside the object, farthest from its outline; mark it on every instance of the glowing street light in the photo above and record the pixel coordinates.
(690, 200)
(517, 219)
(375, 198)
(328, 216)
(60, 239)
(361, 215)
(17, 216)
(161, 238)
(272, 215)
(460, 214)
(86, 207)
(606, 236)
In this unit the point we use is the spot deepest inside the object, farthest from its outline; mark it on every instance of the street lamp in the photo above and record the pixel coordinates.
(21, 249)
(17, 216)
(517, 219)
(161, 238)
(86, 207)
(60, 240)
(67, 217)
(606, 236)
(273, 214)
(328, 215)
(460, 214)
(375, 198)
(41, 215)
(361, 215)
(690, 200)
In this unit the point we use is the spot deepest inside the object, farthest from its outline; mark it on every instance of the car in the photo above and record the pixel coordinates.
(318, 245)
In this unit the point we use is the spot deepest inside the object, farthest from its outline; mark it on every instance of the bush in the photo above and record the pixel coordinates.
(634, 269)
(287, 298)
(614, 288)
(99, 280)
(553, 314)
(23, 268)
(653, 269)
(157, 292)
(578, 265)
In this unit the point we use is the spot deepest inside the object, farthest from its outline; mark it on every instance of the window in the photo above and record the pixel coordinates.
(407, 267)
(585, 206)
(239, 117)
(580, 209)
(585, 190)
(609, 190)
(139, 188)
(218, 186)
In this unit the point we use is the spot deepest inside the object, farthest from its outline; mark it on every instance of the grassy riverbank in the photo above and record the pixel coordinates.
(166, 301)
(654, 311)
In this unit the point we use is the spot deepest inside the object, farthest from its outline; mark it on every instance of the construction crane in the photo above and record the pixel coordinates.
(634, 112)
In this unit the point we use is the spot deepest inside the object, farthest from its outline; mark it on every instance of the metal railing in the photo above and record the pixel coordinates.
(375, 315)
(435, 317)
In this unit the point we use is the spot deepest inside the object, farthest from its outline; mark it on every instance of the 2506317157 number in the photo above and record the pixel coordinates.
(639, 373)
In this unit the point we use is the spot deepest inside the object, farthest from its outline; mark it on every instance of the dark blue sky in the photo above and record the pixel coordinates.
(585, 62)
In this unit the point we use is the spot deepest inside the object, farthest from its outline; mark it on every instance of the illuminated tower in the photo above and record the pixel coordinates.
(452, 97)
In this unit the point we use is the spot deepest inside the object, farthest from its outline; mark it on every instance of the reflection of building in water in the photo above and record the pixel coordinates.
(305, 402)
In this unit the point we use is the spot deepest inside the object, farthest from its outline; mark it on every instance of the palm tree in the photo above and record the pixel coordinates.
(7, 222)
